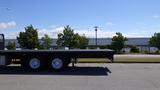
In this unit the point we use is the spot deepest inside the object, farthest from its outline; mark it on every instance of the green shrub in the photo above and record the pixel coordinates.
(134, 49)
(11, 46)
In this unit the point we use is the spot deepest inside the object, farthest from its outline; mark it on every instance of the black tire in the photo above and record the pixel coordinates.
(33, 64)
(57, 64)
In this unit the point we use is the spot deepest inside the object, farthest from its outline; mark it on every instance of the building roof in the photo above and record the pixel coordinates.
(131, 41)
(138, 41)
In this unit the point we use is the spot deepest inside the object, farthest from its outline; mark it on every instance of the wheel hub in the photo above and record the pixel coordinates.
(57, 63)
(34, 63)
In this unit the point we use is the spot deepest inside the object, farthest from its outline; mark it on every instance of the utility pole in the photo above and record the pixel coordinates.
(96, 35)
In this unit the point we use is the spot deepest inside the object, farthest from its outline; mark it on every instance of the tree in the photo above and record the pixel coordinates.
(80, 41)
(155, 40)
(70, 39)
(83, 42)
(118, 42)
(134, 49)
(46, 41)
(11, 46)
(29, 38)
(66, 38)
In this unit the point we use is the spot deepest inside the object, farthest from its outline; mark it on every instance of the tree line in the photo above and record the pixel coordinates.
(29, 39)
(68, 38)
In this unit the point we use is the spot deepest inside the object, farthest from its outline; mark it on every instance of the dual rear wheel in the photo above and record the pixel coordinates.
(55, 64)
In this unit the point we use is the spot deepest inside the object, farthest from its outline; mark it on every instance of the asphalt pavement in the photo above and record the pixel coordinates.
(101, 76)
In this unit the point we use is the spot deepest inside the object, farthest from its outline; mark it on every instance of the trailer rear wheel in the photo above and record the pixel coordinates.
(34, 63)
(57, 64)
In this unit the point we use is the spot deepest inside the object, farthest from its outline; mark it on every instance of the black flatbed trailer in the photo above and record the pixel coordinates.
(54, 59)
(75, 53)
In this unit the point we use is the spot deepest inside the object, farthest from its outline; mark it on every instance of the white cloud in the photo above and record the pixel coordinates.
(90, 33)
(52, 32)
(100, 33)
(6, 25)
(156, 16)
(141, 33)
(11, 35)
(109, 23)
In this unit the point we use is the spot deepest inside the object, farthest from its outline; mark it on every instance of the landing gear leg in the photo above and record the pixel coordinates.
(74, 61)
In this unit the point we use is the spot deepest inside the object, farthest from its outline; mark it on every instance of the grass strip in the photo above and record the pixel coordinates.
(122, 59)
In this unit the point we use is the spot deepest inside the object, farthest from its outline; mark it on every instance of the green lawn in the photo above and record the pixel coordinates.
(123, 59)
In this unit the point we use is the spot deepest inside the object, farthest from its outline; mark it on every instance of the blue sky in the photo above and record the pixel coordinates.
(133, 18)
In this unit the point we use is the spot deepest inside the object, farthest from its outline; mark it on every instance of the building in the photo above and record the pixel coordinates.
(141, 43)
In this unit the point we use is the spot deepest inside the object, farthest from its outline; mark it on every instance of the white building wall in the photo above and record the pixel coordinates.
(126, 50)
(153, 49)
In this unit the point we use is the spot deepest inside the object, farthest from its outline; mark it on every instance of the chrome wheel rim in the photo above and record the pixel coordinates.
(57, 63)
(34, 63)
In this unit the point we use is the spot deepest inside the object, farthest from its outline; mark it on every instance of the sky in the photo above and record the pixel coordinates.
(133, 18)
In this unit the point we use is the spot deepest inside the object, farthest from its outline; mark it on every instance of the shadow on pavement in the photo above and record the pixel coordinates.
(73, 71)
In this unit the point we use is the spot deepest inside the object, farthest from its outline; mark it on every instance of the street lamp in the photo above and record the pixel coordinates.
(96, 35)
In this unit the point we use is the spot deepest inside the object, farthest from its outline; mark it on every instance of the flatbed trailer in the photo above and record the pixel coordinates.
(53, 59)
